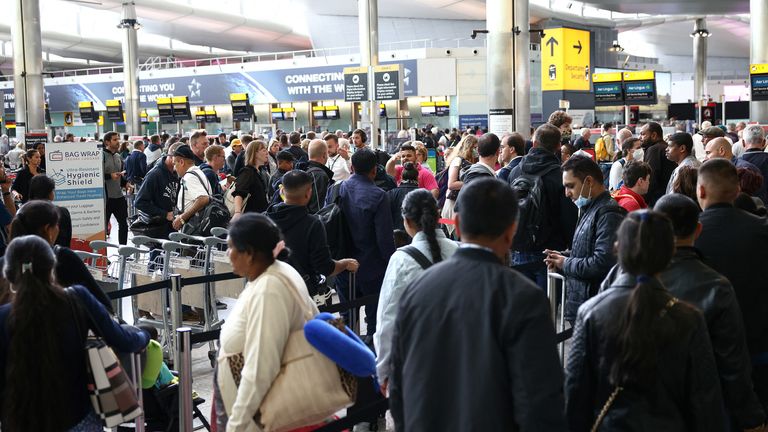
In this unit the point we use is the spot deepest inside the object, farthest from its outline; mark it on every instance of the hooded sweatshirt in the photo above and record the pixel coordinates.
(304, 236)
(559, 222)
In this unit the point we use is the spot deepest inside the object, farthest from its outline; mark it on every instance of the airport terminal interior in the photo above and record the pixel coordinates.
(383, 215)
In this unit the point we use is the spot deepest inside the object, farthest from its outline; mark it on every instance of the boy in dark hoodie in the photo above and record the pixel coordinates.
(304, 234)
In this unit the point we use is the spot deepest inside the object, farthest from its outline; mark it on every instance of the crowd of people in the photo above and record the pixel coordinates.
(657, 236)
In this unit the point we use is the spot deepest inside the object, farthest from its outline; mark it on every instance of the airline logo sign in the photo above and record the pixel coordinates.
(565, 60)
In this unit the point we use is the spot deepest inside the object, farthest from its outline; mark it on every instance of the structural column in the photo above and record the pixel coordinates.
(28, 67)
(500, 81)
(758, 51)
(368, 16)
(522, 65)
(700, 61)
(131, 69)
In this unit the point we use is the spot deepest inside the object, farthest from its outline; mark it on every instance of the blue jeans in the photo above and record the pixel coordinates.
(531, 264)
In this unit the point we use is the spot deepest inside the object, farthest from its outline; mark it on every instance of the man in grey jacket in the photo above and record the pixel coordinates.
(115, 203)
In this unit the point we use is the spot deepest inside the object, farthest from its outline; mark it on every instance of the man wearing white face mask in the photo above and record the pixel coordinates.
(591, 256)
(631, 149)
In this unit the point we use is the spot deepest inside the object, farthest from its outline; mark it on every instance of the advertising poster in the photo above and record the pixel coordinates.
(77, 170)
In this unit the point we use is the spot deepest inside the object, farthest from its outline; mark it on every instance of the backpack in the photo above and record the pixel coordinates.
(417, 256)
(442, 186)
(601, 150)
(214, 215)
(529, 189)
(336, 227)
(383, 180)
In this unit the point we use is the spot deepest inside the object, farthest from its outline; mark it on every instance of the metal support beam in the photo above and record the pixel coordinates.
(758, 50)
(131, 69)
(28, 67)
(368, 16)
(501, 76)
(522, 65)
(700, 61)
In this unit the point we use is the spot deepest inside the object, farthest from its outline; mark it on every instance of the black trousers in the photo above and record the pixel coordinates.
(119, 208)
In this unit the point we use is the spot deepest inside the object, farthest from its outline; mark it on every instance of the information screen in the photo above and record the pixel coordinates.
(640, 92)
(609, 93)
(759, 87)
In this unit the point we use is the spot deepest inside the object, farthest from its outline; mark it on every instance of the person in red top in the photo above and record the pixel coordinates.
(407, 153)
(637, 179)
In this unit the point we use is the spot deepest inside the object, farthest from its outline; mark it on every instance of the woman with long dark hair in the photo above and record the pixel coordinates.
(32, 160)
(272, 305)
(429, 246)
(43, 384)
(41, 218)
(640, 359)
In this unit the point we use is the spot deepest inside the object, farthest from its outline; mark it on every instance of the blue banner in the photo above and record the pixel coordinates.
(269, 86)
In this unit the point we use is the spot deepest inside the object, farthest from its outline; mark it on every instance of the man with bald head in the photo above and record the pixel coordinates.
(732, 241)
(621, 136)
(720, 148)
(322, 176)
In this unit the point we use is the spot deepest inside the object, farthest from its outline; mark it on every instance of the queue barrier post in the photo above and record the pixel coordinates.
(176, 312)
(552, 279)
(184, 357)
(136, 374)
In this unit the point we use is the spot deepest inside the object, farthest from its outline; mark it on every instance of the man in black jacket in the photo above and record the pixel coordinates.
(656, 156)
(733, 241)
(322, 177)
(491, 363)
(304, 234)
(156, 198)
(591, 256)
(558, 214)
(690, 280)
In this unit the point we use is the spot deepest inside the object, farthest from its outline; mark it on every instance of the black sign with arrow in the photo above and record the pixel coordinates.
(552, 42)
(578, 47)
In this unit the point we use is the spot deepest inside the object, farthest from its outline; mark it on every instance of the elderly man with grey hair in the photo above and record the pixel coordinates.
(754, 141)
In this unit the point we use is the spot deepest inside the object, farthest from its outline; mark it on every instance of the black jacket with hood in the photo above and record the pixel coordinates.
(304, 235)
(560, 217)
(322, 178)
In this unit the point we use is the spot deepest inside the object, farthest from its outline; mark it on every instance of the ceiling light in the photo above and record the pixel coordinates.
(701, 33)
(129, 23)
(616, 47)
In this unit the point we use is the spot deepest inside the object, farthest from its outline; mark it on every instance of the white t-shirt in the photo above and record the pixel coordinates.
(340, 167)
(194, 184)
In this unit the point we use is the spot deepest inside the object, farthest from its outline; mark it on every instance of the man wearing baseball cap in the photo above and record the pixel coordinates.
(237, 146)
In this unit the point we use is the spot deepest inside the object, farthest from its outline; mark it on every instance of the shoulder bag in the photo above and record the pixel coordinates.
(309, 388)
(113, 396)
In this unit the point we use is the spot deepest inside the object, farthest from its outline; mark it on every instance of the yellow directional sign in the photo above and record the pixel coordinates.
(565, 59)
(639, 75)
(606, 77)
(759, 68)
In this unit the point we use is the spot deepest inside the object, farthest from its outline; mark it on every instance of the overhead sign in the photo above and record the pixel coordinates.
(758, 77)
(608, 89)
(87, 113)
(565, 59)
(69, 118)
(355, 84)
(77, 171)
(640, 88)
(115, 110)
(387, 82)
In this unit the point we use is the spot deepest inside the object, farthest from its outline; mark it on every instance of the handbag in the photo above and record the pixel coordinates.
(606, 407)
(308, 389)
(113, 396)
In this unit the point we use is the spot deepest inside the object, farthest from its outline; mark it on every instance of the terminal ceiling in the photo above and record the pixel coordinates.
(77, 30)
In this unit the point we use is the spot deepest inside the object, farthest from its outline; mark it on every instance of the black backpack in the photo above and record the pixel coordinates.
(529, 189)
(214, 215)
(336, 226)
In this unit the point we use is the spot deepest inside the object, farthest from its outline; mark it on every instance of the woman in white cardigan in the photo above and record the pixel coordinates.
(260, 322)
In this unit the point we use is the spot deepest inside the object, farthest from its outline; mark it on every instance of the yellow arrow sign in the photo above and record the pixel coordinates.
(565, 59)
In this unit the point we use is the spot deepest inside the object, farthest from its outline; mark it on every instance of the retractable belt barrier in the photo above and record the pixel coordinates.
(187, 339)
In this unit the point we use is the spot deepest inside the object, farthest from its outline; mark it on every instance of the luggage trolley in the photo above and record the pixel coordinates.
(104, 269)
(214, 261)
(219, 263)
(169, 259)
(552, 279)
